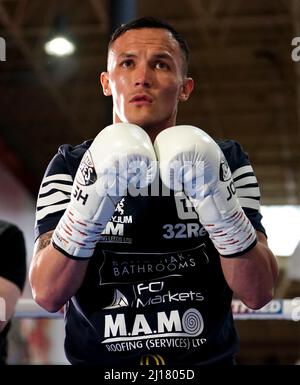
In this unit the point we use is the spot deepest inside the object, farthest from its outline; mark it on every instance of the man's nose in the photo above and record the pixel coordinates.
(143, 77)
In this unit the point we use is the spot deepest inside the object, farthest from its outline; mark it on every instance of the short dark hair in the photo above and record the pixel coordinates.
(152, 22)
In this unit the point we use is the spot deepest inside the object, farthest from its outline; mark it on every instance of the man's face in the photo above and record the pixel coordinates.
(145, 78)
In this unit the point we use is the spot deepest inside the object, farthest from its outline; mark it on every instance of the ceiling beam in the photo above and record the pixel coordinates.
(21, 12)
(46, 82)
(239, 21)
(80, 30)
(101, 13)
(198, 9)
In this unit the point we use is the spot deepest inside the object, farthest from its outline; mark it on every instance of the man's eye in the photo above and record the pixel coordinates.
(126, 63)
(161, 65)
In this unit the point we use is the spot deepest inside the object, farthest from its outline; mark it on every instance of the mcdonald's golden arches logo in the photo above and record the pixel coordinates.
(152, 359)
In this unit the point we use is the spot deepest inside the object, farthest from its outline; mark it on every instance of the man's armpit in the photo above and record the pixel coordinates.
(43, 241)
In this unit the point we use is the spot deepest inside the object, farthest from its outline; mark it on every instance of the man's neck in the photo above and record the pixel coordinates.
(152, 131)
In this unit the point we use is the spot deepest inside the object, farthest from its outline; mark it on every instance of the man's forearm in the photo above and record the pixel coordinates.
(252, 277)
(54, 278)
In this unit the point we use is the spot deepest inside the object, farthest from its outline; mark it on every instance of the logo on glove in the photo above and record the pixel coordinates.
(225, 173)
(87, 175)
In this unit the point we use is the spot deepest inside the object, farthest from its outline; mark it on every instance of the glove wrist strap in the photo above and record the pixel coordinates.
(232, 233)
(75, 236)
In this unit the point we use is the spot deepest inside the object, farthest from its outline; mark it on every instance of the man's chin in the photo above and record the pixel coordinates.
(144, 123)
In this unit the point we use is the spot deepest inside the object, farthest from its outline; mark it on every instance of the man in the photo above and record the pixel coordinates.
(12, 278)
(144, 280)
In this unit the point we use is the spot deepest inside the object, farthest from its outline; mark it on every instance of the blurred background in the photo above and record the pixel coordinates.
(245, 59)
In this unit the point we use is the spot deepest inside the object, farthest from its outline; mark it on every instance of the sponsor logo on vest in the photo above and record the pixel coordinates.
(146, 297)
(120, 207)
(152, 359)
(118, 329)
(119, 300)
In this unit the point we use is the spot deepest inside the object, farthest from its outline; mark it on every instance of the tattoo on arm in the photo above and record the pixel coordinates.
(43, 241)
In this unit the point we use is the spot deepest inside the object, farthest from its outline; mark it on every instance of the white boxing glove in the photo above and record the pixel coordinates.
(191, 161)
(120, 156)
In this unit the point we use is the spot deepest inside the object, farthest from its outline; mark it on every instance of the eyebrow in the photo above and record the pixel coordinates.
(160, 55)
(126, 55)
(163, 56)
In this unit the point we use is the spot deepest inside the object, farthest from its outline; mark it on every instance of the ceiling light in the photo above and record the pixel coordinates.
(59, 46)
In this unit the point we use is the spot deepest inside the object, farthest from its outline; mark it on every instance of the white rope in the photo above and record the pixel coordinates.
(28, 308)
(282, 309)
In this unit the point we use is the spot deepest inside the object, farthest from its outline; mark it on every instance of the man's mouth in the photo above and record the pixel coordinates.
(141, 99)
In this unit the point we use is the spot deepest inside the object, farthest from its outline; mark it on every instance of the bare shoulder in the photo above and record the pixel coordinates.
(43, 241)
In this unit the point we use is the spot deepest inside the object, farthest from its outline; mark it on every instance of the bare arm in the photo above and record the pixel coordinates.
(252, 276)
(9, 294)
(54, 278)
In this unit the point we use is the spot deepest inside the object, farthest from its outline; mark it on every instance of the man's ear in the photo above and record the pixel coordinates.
(186, 89)
(104, 80)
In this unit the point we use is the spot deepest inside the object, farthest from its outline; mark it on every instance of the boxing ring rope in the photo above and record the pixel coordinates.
(277, 309)
(28, 308)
